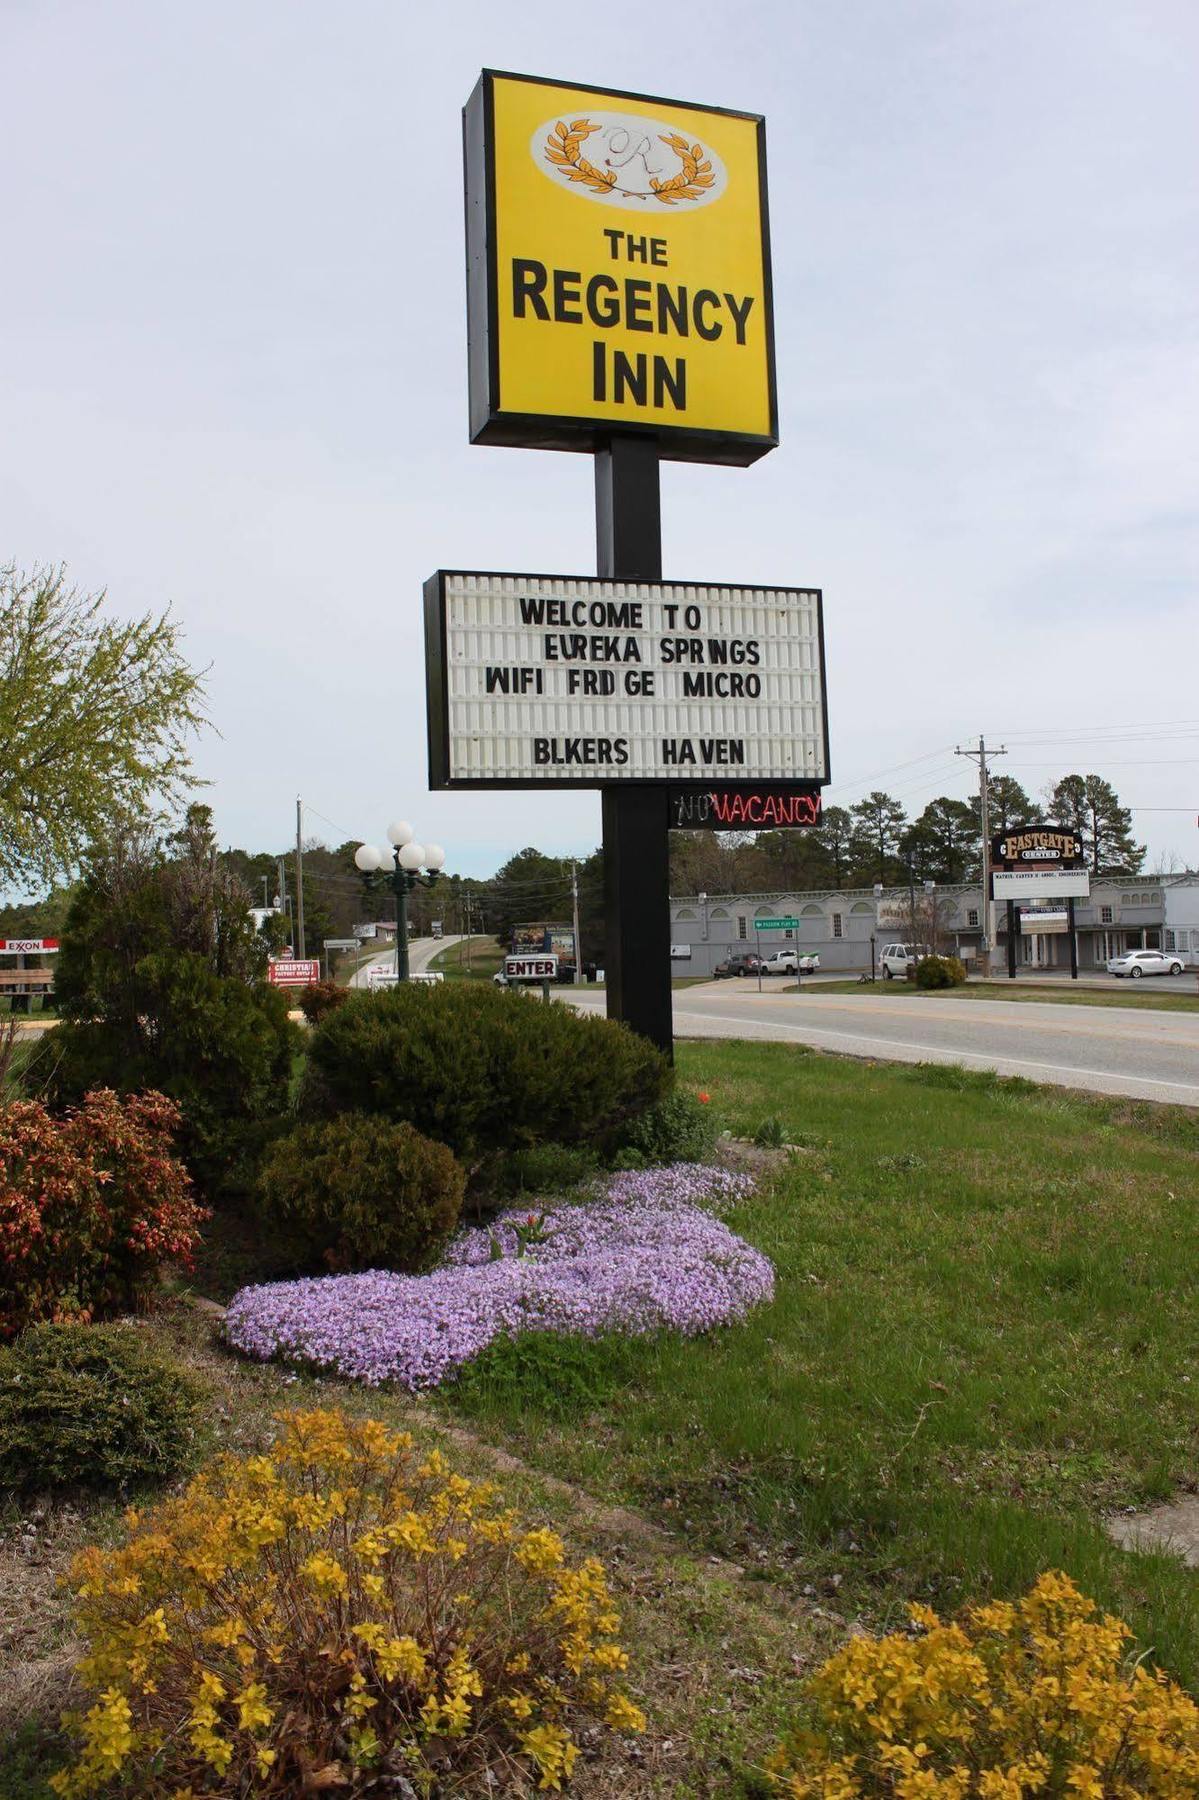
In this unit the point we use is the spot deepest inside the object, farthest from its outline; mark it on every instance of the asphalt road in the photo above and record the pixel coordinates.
(1109, 1050)
(421, 952)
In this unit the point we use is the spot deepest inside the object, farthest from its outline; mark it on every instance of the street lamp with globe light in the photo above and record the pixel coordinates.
(398, 867)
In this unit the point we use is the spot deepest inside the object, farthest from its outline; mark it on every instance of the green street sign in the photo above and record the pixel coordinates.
(776, 924)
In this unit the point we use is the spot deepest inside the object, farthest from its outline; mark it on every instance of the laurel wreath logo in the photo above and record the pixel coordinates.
(564, 148)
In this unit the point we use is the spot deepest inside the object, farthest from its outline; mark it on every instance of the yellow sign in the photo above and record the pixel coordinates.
(618, 271)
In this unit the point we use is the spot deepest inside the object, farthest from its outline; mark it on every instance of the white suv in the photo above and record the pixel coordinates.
(897, 959)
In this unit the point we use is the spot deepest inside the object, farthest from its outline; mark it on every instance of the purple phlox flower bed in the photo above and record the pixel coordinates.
(646, 1254)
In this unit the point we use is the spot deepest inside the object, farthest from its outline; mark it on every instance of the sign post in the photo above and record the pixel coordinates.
(1038, 862)
(619, 305)
(628, 542)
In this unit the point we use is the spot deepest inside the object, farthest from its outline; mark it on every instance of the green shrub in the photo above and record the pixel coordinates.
(546, 1169)
(217, 1045)
(481, 1071)
(771, 1133)
(940, 972)
(680, 1128)
(360, 1192)
(94, 1405)
(321, 998)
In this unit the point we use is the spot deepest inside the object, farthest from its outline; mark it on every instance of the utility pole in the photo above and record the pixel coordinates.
(283, 900)
(300, 874)
(468, 930)
(265, 902)
(988, 907)
(574, 894)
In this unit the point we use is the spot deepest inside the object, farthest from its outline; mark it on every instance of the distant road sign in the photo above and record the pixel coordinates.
(531, 968)
(341, 943)
(294, 971)
(776, 924)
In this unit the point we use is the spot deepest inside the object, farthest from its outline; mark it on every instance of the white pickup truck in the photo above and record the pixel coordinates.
(791, 962)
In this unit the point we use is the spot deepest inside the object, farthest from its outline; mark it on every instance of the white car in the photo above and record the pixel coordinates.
(1145, 962)
(791, 962)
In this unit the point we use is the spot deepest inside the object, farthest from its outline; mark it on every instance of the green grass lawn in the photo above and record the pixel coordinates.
(1129, 993)
(984, 1337)
(486, 959)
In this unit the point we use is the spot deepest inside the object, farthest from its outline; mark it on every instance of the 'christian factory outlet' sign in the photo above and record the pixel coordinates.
(571, 681)
(618, 271)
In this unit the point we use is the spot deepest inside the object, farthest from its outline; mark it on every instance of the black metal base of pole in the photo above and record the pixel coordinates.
(637, 912)
(628, 540)
(1013, 922)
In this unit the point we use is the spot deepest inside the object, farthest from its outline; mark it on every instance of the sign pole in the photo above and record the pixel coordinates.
(1011, 940)
(1073, 939)
(628, 540)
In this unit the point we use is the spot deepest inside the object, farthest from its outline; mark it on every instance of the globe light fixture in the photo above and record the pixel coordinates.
(398, 867)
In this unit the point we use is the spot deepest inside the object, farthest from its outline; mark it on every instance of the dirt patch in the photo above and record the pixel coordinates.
(1172, 1527)
(36, 1649)
(759, 1160)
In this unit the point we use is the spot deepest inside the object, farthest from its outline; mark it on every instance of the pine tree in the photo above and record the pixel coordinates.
(1090, 805)
(878, 825)
(943, 842)
(1008, 806)
(836, 835)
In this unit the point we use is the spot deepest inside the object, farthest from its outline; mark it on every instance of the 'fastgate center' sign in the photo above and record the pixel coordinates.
(570, 681)
(618, 270)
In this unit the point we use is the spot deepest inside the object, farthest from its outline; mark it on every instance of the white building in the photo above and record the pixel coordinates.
(847, 927)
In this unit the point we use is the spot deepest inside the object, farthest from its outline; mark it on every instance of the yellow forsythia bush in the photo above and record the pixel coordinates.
(1036, 1698)
(337, 1611)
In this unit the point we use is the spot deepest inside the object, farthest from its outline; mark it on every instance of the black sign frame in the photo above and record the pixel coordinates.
(489, 424)
(438, 695)
(1041, 852)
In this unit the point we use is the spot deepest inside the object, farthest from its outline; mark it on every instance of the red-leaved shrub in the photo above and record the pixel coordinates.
(91, 1205)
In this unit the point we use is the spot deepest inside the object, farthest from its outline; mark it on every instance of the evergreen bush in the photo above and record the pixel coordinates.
(321, 998)
(218, 1045)
(547, 1169)
(940, 972)
(95, 1406)
(360, 1192)
(480, 1071)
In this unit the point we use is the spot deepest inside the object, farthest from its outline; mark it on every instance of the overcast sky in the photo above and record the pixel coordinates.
(233, 375)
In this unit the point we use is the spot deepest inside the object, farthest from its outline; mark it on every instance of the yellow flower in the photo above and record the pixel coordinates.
(552, 1751)
(622, 1715)
(401, 1656)
(325, 1573)
(541, 1551)
(253, 1713)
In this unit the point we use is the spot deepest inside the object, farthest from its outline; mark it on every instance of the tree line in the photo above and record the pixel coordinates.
(876, 841)
(96, 722)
